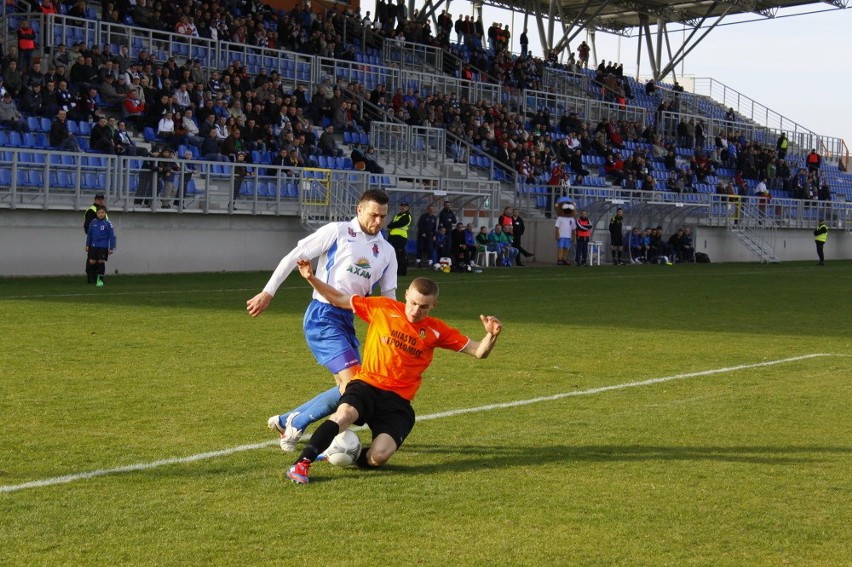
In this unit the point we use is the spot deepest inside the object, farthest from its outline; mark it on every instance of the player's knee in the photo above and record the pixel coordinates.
(377, 456)
(345, 415)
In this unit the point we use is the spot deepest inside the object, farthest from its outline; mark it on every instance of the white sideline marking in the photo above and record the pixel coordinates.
(230, 451)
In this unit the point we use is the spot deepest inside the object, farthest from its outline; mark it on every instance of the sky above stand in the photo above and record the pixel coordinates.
(796, 66)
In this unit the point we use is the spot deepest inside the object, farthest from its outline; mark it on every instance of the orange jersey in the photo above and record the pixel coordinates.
(396, 353)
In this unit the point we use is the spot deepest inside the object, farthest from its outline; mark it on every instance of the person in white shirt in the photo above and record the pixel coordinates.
(566, 227)
(191, 128)
(166, 127)
(353, 257)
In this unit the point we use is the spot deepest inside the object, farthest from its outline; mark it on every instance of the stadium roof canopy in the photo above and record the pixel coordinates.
(561, 21)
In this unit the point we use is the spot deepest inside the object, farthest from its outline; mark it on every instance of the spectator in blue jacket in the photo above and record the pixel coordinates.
(100, 243)
(637, 253)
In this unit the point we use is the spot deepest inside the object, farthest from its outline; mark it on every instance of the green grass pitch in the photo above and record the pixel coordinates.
(741, 455)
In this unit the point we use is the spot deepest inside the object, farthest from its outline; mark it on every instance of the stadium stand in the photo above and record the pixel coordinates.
(514, 120)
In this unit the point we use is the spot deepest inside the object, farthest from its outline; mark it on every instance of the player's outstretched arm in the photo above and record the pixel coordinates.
(481, 349)
(332, 295)
(258, 304)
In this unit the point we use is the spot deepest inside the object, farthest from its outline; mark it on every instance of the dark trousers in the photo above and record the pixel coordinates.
(581, 253)
(516, 242)
(819, 246)
(425, 245)
(399, 244)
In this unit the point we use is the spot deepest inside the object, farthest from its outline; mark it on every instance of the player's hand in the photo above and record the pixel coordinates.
(305, 268)
(492, 324)
(258, 304)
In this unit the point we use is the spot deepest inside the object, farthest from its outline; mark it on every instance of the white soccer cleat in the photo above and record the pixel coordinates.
(288, 434)
(291, 435)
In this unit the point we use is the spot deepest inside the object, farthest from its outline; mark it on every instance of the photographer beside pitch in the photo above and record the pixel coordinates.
(401, 340)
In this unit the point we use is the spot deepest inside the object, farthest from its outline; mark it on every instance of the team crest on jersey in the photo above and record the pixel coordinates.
(361, 267)
(351, 232)
(375, 250)
(422, 333)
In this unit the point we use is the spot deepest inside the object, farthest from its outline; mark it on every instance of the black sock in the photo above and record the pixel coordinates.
(320, 440)
(362, 463)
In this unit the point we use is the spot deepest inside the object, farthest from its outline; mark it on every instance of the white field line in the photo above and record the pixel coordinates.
(232, 450)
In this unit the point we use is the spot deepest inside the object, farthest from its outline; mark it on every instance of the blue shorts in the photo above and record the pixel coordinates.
(330, 333)
(564, 243)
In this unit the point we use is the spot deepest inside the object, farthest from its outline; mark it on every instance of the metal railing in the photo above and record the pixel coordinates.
(799, 142)
(753, 110)
(564, 82)
(587, 109)
(412, 56)
(708, 209)
(408, 149)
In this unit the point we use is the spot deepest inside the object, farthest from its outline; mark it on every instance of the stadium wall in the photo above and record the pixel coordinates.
(718, 243)
(51, 243)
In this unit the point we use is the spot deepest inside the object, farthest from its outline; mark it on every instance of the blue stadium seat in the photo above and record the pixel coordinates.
(42, 142)
(91, 181)
(149, 134)
(65, 180)
(22, 178)
(15, 139)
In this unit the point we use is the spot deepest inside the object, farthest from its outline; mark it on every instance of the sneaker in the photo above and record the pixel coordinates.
(289, 435)
(299, 472)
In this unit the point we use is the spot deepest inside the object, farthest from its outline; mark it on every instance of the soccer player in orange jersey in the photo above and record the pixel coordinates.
(401, 338)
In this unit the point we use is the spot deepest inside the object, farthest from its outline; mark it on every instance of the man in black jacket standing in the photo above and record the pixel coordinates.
(427, 226)
(518, 229)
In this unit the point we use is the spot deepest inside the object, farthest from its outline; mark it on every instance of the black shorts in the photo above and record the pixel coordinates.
(617, 239)
(383, 411)
(98, 253)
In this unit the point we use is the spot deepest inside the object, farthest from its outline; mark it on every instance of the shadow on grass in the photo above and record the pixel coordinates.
(467, 458)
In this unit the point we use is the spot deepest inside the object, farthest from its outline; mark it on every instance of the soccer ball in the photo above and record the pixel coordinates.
(344, 449)
(446, 269)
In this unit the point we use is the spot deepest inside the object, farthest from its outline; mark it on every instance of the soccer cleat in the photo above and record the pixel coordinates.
(100, 282)
(291, 435)
(288, 434)
(299, 472)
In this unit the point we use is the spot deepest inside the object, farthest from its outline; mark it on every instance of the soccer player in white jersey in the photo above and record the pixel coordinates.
(354, 257)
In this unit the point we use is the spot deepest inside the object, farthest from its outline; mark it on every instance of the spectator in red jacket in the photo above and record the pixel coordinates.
(133, 109)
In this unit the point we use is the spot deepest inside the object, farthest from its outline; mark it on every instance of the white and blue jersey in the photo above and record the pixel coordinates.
(354, 263)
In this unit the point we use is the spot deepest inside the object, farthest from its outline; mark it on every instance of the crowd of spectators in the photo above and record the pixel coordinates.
(232, 112)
